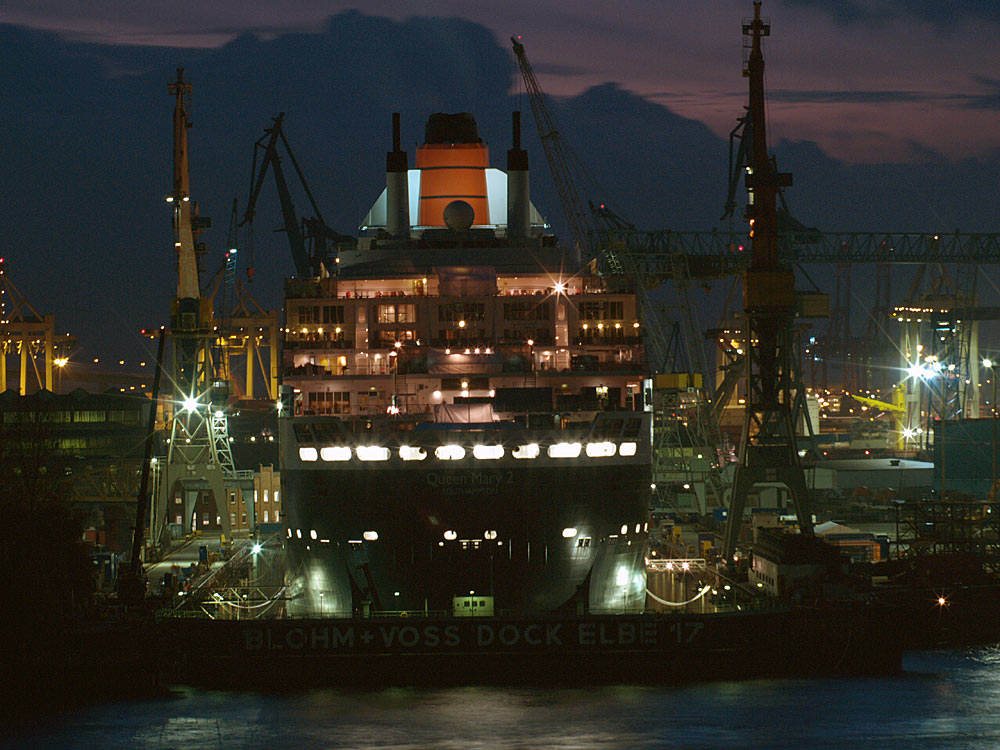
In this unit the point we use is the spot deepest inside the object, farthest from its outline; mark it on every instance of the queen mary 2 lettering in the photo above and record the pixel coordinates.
(476, 483)
(464, 428)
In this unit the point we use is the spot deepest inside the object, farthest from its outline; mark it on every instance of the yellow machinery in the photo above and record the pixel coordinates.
(897, 407)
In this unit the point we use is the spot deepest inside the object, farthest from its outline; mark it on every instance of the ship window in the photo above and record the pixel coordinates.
(583, 541)
(458, 311)
(232, 519)
(609, 428)
(342, 402)
(449, 452)
(321, 402)
(602, 310)
(564, 450)
(232, 498)
(327, 431)
(333, 313)
(398, 313)
(309, 314)
(526, 310)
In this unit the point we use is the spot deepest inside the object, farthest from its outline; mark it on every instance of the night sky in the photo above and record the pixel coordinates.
(887, 112)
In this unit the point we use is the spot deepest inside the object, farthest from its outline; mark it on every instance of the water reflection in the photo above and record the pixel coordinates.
(943, 700)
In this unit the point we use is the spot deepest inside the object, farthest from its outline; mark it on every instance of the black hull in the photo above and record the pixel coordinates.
(508, 541)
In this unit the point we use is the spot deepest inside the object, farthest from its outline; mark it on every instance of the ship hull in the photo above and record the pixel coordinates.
(529, 565)
(516, 536)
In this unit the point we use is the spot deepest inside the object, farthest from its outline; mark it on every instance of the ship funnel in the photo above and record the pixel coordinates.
(518, 194)
(452, 164)
(396, 186)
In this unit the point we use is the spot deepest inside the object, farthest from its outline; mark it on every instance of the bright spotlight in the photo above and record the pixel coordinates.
(256, 548)
(190, 403)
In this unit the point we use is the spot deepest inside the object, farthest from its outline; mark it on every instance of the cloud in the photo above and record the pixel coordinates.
(848, 96)
(558, 69)
(942, 14)
(988, 100)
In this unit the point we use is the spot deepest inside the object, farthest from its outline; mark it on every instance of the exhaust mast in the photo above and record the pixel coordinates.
(518, 188)
(397, 186)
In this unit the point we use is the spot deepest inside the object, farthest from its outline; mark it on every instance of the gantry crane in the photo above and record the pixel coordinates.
(244, 329)
(31, 337)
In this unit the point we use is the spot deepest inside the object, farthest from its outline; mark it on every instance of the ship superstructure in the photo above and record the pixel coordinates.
(466, 426)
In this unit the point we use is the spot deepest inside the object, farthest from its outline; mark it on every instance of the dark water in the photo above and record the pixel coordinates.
(948, 699)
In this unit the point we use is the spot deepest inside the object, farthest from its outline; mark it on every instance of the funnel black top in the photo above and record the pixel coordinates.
(452, 128)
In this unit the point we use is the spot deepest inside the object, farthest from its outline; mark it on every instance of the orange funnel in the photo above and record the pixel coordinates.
(452, 166)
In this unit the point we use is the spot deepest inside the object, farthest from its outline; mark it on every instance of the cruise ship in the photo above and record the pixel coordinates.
(465, 422)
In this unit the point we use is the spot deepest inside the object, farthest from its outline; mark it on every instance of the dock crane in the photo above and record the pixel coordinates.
(768, 451)
(308, 238)
(568, 173)
(199, 456)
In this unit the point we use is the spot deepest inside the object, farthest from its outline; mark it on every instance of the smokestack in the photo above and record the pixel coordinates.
(397, 192)
(518, 194)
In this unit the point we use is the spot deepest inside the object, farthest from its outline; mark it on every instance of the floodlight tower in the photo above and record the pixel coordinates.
(199, 457)
(768, 451)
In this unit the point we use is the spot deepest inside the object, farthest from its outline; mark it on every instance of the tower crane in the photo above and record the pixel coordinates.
(309, 260)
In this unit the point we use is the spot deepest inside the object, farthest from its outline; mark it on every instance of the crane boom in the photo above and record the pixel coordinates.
(187, 260)
(312, 230)
(557, 155)
(565, 168)
(267, 146)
